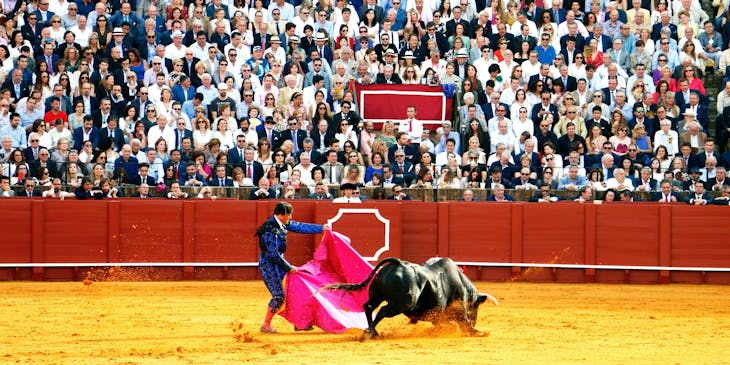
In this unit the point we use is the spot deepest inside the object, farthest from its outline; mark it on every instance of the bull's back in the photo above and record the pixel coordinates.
(454, 285)
(394, 284)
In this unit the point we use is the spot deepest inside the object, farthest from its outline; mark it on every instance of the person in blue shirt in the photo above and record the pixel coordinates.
(272, 246)
(545, 52)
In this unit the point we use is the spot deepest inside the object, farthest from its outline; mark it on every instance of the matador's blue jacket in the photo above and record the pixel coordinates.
(272, 244)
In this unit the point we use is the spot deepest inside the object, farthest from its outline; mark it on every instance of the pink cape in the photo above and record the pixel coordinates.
(335, 261)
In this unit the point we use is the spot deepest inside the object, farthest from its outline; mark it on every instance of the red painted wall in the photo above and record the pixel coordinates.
(140, 231)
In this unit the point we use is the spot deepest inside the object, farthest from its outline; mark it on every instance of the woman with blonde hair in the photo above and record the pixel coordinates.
(388, 133)
(201, 132)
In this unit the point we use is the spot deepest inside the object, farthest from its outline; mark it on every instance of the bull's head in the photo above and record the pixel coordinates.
(473, 307)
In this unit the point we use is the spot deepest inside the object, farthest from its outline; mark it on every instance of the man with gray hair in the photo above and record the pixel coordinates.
(388, 76)
(443, 134)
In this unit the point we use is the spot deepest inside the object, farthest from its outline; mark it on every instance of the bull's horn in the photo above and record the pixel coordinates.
(493, 299)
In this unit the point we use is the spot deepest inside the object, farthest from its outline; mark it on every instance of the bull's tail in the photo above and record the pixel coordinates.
(354, 287)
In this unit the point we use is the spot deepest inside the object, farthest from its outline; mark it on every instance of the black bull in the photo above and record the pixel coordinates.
(437, 292)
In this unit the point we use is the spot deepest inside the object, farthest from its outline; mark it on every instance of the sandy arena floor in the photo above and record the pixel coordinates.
(198, 323)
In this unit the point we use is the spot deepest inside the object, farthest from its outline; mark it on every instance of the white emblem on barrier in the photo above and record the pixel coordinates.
(386, 232)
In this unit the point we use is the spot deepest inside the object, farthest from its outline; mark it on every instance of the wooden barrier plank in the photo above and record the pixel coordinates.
(188, 237)
(37, 238)
(590, 241)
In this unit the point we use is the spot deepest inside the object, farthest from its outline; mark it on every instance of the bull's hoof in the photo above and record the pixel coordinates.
(477, 333)
(369, 335)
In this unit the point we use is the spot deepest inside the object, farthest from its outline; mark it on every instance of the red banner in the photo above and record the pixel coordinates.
(380, 103)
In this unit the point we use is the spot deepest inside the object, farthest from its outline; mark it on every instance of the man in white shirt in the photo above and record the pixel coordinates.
(81, 31)
(412, 127)
(161, 130)
(348, 190)
(666, 137)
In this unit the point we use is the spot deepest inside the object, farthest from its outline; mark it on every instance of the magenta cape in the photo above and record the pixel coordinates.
(335, 261)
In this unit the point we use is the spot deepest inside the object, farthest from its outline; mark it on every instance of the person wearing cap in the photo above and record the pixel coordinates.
(257, 62)
(176, 49)
(118, 41)
(322, 48)
(276, 49)
(347, 190)
(695, 175)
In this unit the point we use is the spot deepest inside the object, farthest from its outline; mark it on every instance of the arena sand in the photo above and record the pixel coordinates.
(217, 323)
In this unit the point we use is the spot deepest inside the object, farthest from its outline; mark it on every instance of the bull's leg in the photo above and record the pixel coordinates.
(369, 308)
(387, 311)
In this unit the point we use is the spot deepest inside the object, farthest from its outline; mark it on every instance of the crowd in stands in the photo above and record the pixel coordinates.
(579, 95)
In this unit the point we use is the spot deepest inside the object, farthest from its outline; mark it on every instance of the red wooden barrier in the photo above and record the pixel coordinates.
(200, 232)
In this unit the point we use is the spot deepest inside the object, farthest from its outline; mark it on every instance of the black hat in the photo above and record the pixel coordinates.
(348, 186)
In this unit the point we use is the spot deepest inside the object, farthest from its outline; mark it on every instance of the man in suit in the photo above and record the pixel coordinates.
(31, 30)
(211, 9)
(544, 195)
(645, 182)
(501, 33)
(694, 136)
(698, 197)
(126, 15)
(606, 165)
(604, 41)
(18, 87)
(112, 133)
(321, 137)
(220, 179)
(619, 55)
(143, 177)
(401, 144)
(656, 29)
(544, 76)
(557, 13)
(490, 109)
(294, 133)
(707, 151)
(43, 161)
(524, 36)
(101, 115)
(524, 182)
(333, 169)
(252, 170)
(44, 15)
(539, 111)
(571, 44)
(324, 50)
(183, 91)
(87, 132)
(321, 192)
(696, 110)
(498, 194)
(388, 76)
(264, 191)
(90, 102)
(181, 132)
(569, 82)
(236, 155)
(399, 194)
(346, 114)
(441, 42)
(372, 4)
(29, 189)
(403, 169)
(719, 182)
(666, 195)
(456, 12)
(267, 131)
